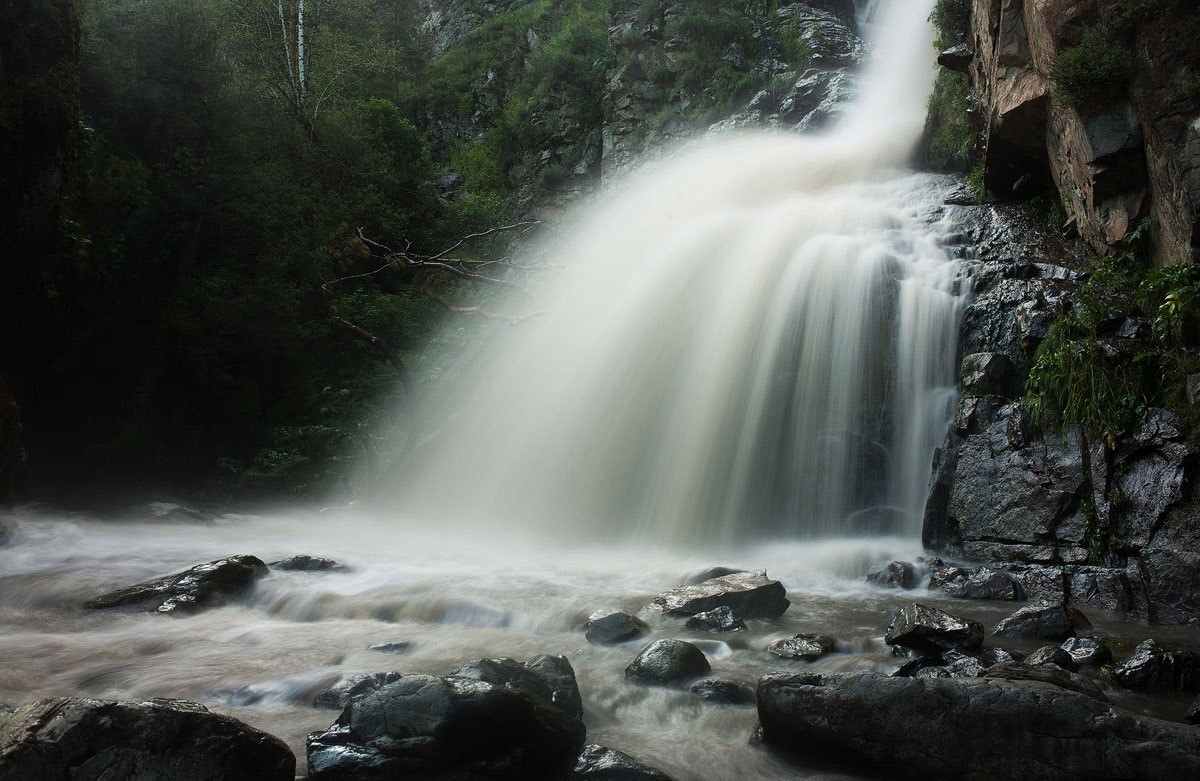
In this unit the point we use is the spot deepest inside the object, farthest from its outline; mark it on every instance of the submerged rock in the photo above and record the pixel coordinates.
(98, 740)
(895, 574)
(722, 692)
(748, 594)
(613, 628)
(305, 563)
(803, 646)
(598, 763)
(720, 620)
(202, 586)
(394, 647)
(977, 728)
(1159, 670)
(668, 662)
(491, 719)
(929, 630)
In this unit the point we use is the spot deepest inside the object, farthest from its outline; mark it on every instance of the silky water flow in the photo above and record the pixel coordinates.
(745, 359)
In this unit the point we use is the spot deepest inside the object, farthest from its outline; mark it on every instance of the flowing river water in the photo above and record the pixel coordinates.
(748, 361)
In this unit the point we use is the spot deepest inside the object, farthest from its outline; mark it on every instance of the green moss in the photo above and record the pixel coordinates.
(950, 133)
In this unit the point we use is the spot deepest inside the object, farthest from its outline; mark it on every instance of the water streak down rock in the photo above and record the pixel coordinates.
(972, 729)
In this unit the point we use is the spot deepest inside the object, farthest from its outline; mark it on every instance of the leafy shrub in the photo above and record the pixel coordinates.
(1096, 71)
(952, 21)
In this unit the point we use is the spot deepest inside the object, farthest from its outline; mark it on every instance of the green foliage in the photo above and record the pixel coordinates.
(1171, 296)
(975, 180)
(952, 21)
(1096, 71)
(950, 132)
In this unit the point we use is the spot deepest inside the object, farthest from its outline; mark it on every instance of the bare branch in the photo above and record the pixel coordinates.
(383, 347)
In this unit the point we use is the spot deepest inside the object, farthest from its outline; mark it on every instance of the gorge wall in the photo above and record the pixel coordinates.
(1110, 513)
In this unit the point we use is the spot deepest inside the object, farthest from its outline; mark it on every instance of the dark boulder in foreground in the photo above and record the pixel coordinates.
(974, 729)
(613, 628)
(748, 594)
(205, 585)
(668, 662)
(71, 739)
(1159, 670)
(492, 719)
(598, 763)
(929, 630)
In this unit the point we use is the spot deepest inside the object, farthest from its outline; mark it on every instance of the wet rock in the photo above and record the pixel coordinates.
(303, 563)
(597, 763)
(341, 693)
(990, 374)
(896, 574)
(1172, 578)
(720, 620)
(613, 628)
(490, 719)
(981, 583)
(1087, 651)
(1042, 622)
(1157, 670)
(97, 740)
(710, 573)
(805, 647)
(748, 594)
(929, 630)
(722, 692)
(202, 586)
(922, 729)
(1051, 674)
(1041, 583)
(668, 662)
(394, 647)
(951, 664)
(1103, 588)
(957, 58)
(1051, 654)
(1193, 714)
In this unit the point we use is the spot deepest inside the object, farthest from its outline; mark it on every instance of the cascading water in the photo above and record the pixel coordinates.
(755, 336)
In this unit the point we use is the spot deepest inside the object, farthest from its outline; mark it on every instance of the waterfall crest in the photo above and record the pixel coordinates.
(755, 337)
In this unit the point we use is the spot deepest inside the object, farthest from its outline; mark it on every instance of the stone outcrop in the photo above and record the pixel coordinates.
(974, 728)
(97, 740)
(1113, 161)
(202, 586)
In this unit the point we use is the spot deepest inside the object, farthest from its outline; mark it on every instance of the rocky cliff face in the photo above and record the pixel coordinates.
(1125, 143)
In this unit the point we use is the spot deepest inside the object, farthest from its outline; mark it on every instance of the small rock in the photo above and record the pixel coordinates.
(597, 763)
(1051, 654)
(1193, 714)
(722, 692)
(1041, 622)
(303, 563)
(668, 662)
(1087, 651)
(951, 664)
(1157, 670)
(720, 620)
(748, 594)
(929, 630)
(612, 628)
(205, 585)
(803, 646)
(394, 647)
(351, 687)
(896, 574)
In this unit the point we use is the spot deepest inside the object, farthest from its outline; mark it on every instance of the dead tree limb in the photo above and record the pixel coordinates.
(383, 347)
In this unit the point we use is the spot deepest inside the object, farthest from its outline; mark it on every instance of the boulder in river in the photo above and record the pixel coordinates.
(929, 630)
(492, 719)
(894, 574)
(98, 740)
(668, 662)
(748, 594)
(1087, 651)
(613, 628)
(971, 728)
(394, 647)
(1159, 670)
(350, 687)
(598, 763)
(981, 583)
(806, 647)
(306, 563)
(722, 692)
(202, 586)
(1051, 654)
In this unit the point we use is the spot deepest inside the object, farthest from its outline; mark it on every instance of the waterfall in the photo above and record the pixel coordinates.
(754, 338)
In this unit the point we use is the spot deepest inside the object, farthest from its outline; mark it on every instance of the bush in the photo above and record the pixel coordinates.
(1094, 72)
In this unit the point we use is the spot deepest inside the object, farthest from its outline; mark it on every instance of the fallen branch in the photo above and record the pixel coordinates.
(383, 347)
